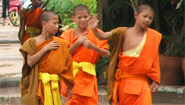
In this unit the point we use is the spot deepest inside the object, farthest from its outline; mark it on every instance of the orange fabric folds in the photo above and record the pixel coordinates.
(132, 72)
(33, 20)
(29, 80)
(56, 62)
(133, 83)
(85, 83)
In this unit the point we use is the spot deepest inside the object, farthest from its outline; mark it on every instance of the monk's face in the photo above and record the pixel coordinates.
(36, 3)
(81, 18)
(52, 25)
(144, 19)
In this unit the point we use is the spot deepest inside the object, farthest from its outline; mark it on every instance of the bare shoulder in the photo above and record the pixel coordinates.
(38, 39)
(129, 31)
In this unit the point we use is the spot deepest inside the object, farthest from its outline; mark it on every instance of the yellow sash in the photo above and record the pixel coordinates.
(51, 92)
(85, 66)
(33, 31)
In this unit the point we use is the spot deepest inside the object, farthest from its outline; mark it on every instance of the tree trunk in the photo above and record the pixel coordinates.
(156, 13)
(100, 13)
(184, 14)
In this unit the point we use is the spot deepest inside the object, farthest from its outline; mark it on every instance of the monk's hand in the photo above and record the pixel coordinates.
(52, 45)
(93, 21)
(88, 44)
(82, 38)
(69, 93)
(154, 86)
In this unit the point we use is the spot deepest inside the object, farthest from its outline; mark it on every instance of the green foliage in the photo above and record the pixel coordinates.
(64, 9)
(171, 18)
(174, 29)
(101, 66)
(171, 26)
(179, 4)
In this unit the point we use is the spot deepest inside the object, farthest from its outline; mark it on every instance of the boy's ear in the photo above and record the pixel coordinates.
(135, 15)
(44, 24)
(73, 18)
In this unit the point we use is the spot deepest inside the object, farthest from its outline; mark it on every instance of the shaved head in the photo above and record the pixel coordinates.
(80, 7)
(143, 7)
(46, 15)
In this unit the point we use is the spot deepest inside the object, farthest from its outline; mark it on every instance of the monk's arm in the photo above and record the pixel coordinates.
(102, 52)
(73, 47)
(93, 24)
(19, 32)
(80, 40)
(32, 59)
(21, 27)
(102, 36)
(154, 74)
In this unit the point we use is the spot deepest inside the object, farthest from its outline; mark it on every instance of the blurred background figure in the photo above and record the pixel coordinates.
(5, 5)
(26, 4)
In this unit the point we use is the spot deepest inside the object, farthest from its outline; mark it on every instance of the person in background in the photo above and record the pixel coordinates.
(5, 5)
(30, 24)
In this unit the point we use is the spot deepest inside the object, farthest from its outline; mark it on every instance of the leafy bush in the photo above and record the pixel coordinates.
(64, 9)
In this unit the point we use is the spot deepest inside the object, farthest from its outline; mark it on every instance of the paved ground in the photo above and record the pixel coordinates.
(10, 57)
(11, 64)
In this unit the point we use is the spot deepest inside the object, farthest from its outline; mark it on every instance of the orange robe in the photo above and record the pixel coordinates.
(53, 62)
(131, 82)
(32, 19)
(85, 90)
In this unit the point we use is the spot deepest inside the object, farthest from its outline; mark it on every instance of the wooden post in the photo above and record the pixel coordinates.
(184, 12)
(156, 15)
(100, 13)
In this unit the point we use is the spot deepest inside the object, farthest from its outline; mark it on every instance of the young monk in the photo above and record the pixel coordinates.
(30, 25)
(46, 61)
(134, 58)
(86, 50)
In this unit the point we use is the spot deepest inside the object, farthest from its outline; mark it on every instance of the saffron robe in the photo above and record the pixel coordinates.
(85, 89)
(54, 62)
(29, 19)
(146, 64)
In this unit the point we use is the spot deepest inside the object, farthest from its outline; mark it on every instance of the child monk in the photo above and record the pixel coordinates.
(30, 25)
(46, 61)
(86, 49)
(134, 58)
